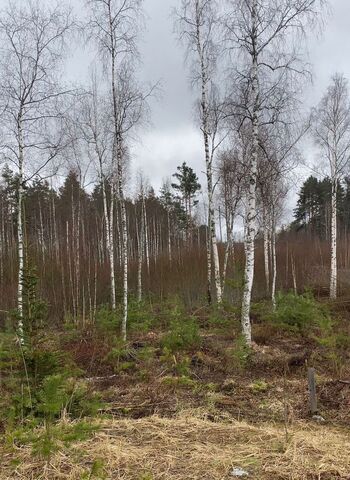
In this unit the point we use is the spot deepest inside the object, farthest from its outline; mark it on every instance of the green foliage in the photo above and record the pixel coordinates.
(107, 321)
(335, 344)
(219, 319)
(240, 354)
(183, 335)
(52, 397)
(52, 438)
(313, 205)
(183, 382)
(122, 356)
(299, 313)
(236, 282)
(146, 355)
(39, 385)
(188, 184)
(140, 316)
(259, 386)
(96, 471)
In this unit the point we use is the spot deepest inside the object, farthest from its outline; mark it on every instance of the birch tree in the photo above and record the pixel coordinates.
(231, 172)
(332, 135)
(114, 25)
(32, 44)
(197, 22)
(95, 131)
(265, 40)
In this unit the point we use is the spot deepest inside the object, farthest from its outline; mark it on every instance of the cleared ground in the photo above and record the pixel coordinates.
(191, 447)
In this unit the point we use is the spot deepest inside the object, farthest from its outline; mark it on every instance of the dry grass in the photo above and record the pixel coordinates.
(191, 447)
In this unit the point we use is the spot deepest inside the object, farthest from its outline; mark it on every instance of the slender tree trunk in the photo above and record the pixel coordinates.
(20, 236)
(274, 260)
(333, 276)
(209, 172)
(169, 238)
(109, 222)
(266, 252)
(124, 243)
(118, 168)
(211, 213)
(146, 235)
(294, 275)
(139, 258)
(229, 229)
(251, 204)
(208, 241)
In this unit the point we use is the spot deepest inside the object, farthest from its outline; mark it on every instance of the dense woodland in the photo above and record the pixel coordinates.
(65, 239)
(143, 329)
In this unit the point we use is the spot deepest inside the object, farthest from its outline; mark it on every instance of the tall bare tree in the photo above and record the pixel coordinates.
(197, 22)
(32, 42)
(265, 38)
(94, 122)
(332, 135)
(114, 25)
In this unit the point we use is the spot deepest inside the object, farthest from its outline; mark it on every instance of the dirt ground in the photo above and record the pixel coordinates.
(159, 423)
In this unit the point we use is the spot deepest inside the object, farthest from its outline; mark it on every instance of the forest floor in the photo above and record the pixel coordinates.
(200, 405)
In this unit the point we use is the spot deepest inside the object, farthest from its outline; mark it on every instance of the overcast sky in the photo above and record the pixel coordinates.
(172, 138)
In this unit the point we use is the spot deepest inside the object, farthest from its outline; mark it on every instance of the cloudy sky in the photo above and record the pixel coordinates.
(172, 138)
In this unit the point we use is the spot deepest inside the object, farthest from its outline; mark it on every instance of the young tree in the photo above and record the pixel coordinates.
(197, 21)
(114, 25)
(32, 38)
(188, 188)
(94, 122)
(332, 135)
(265, 35)
(231, 172)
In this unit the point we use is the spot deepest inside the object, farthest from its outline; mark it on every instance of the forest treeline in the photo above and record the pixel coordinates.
(96, 245)
(65, 236)
(313, 211)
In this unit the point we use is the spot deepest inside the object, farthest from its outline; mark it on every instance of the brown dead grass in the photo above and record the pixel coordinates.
(191, 447)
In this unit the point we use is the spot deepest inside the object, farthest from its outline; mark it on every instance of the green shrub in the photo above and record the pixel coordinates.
(220, 319)
(96, 471)
(240, 354)
(107, 321)
(179, 382)
(183, 335)
(299, 313)
(121, 357)
(259, 386)
(52, 437)
(140, 316)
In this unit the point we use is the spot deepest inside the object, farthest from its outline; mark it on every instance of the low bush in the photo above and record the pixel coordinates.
(299, 313)
(183, 335)
(107, 321)
(239, 355)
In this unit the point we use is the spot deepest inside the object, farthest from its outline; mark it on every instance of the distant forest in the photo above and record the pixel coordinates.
(66, 241)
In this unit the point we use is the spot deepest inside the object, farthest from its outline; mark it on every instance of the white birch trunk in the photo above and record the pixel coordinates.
(274, 260)
(208, 242)
(124, 237)
(251, 204)
(226, 258)
(20, 246)
(144, 214)
(139, 259)
(125, 267)
(266, 252)
(211, 213)
(169, 238)
(333, 276)
(109, 222)
(294, 275)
